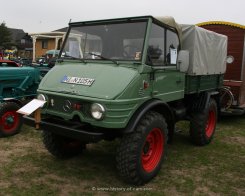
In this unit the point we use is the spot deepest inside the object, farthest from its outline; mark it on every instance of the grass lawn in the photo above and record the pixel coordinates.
(26, 168)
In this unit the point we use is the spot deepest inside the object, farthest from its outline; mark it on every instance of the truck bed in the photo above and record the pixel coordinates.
(196, 84)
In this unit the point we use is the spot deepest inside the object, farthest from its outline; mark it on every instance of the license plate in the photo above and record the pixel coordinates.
(77, 80)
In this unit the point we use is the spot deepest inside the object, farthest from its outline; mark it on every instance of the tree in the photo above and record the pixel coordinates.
(5, 36)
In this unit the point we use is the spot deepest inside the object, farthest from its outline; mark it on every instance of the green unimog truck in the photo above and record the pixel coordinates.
(133, 79)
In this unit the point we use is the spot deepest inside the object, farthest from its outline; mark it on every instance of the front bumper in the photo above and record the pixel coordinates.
(68, 129)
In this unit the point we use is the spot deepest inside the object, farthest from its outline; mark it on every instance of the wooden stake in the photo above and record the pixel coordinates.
(37, 116)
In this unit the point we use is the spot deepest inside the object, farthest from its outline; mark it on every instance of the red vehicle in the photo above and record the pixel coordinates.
(233, 94)
(8, 63)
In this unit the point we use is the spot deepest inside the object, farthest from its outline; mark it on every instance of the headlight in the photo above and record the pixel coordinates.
(41, 97)
(97, 111)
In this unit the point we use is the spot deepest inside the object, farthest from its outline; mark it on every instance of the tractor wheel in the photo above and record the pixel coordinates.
(203, 124)
(10, 120)
(62, 147)
(141, 153)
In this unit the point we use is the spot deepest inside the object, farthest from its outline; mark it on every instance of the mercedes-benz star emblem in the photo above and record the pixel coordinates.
(67, 105)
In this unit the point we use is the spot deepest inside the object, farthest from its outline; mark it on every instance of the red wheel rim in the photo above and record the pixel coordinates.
(211, 122)
(9, 121)
(152, 150)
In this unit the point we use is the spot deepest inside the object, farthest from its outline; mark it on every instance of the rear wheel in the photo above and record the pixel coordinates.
(203, 124)
(62, 147)
(10, 120)
(140, 154)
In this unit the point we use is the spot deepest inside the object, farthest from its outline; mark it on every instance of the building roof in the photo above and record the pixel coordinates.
(221, 23)
(52, 34)
(61, 30)
(16, 34)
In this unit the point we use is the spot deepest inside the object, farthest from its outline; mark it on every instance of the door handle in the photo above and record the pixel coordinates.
(155, 92)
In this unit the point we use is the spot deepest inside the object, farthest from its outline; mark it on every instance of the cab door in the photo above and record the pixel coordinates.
(168, 84)
(162, 52)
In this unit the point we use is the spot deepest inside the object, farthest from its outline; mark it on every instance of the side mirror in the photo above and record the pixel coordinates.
(183, 61)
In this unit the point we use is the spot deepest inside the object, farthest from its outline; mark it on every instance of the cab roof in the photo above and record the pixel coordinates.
(165, 20)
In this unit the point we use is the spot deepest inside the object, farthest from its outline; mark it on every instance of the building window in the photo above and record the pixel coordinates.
(44, 44)
(22, 41)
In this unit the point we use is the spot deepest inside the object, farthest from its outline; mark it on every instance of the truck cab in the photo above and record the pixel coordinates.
(112, 65)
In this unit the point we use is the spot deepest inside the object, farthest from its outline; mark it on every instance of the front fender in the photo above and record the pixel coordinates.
(153, 104)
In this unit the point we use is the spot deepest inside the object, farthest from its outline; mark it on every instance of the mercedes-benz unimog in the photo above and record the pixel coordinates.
(18, 85)
(133, 79)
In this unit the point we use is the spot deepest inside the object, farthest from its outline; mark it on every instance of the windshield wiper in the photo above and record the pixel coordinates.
(74, 58)
(102, 57)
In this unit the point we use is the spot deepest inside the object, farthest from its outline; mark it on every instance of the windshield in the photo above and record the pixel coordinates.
(122, 41)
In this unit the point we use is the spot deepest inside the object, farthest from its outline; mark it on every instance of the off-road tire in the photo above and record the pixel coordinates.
(203, 124)
(60, 146)
(10, 120)
(141, 153)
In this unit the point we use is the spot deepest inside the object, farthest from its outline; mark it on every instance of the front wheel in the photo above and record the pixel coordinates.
(60, 146)
(203, 124)
(10, 120)
(141, 153)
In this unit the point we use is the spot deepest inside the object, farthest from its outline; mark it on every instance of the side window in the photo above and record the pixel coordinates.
(155, 50)
(172, 45)
(44, 44)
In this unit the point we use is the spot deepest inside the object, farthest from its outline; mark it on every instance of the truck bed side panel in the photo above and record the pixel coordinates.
(196, 84)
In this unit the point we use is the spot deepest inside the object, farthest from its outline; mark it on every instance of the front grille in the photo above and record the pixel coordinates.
(141, 92)
(66, 105)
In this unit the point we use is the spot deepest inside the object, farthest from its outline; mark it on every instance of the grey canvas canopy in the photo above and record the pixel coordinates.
(207, 49)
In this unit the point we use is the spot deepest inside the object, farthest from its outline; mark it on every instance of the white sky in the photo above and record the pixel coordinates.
(47, 15)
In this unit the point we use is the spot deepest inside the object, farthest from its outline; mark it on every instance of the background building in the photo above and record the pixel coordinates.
(19, 44)
(43, 42)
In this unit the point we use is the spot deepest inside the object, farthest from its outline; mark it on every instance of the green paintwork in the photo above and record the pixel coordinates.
(18, 82)
(118, 87)
(168, 85)
(110, 80)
